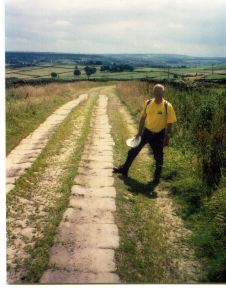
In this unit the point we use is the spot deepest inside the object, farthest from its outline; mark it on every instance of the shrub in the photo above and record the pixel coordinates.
(53, 74)
(209, 133)
(77, 72)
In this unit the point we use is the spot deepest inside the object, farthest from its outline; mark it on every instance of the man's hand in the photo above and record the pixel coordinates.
(166, 140)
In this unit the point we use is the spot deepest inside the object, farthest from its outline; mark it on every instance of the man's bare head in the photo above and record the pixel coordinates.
(158, 90)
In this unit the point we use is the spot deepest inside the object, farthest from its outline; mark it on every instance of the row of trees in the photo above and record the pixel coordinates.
(117, 68)
(77, 72)
(89, 70)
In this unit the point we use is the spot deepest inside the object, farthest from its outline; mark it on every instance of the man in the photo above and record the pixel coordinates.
(155, 128)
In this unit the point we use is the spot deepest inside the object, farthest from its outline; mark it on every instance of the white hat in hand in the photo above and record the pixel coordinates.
(133, 142)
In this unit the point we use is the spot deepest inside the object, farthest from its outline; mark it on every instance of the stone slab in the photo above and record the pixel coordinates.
(73, 277)
(78, 216)
(13, 172)
(104, 204)
(99, 157)
(84, 260)
(97, 147)
(11, 180)
(95, 172)
(9, 187)
(89, 235)
(82, 191)
(98, 152)
(96, 164)
(94, 181)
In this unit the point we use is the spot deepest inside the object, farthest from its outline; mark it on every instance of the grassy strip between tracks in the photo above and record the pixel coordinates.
(38, 258)
(144, 256)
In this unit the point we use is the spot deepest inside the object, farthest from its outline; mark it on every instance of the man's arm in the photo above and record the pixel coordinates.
(168, 134)
(171, 118)
(169, 129)
(141, 124)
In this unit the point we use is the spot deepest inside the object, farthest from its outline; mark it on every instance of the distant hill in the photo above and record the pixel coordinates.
(24, 59)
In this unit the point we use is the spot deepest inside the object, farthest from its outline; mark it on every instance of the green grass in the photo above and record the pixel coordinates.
(216, 77)
(201, 207)
(23, 115)
(37, 262)
(205, 216)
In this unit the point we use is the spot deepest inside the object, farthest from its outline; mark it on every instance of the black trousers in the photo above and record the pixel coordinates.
(155, 141)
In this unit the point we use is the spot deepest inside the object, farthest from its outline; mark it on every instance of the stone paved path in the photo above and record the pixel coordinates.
(84, 246)
(23, 155)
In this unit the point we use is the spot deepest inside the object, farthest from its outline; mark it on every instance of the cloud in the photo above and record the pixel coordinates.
(62, 23)
(102, 26)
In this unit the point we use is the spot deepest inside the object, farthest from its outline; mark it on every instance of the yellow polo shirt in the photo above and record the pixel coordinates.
(156, 118)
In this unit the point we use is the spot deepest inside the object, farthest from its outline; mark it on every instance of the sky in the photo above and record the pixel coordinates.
(189, 27)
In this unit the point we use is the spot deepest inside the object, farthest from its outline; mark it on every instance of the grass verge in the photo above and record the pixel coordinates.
(204, 211)
(204, 215)
(144, 255)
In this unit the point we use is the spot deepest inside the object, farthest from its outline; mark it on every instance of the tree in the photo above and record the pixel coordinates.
(104, 68)
(116, 68)
(53, 74)
(77, 72)
(90, 70)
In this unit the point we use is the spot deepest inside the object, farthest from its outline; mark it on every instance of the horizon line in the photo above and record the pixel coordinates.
(115, 53)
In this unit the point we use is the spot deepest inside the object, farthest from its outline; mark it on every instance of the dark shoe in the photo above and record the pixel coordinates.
(120, 170)
(152, 194)
(154, 182)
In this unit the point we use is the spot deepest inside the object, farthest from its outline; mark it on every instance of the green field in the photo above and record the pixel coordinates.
(66, 72)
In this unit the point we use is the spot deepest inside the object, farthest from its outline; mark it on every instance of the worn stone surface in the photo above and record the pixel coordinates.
(11, 180)
(84, 260)
(91, 235)
(97, 172)
(91, 192)
(9, 187)
(78, 216)
(23, 155)
(87, 236)
(89, 164)
(95, 181)
(94, 203)
(26, 215)
(70, 277)
(101, 156)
